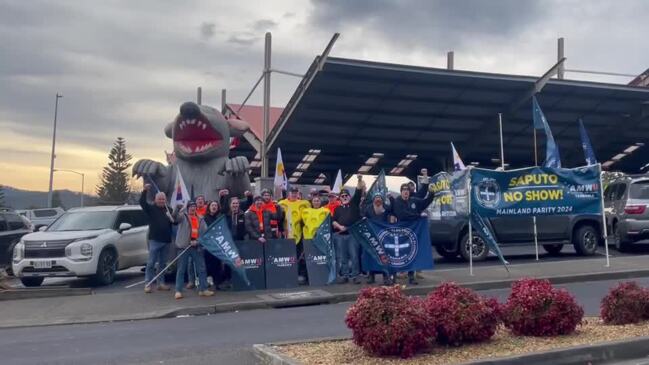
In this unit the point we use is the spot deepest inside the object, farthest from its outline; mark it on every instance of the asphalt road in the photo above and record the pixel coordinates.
(218, 339)
(515, 254)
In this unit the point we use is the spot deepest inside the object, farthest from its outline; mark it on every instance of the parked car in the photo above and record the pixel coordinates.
(41, 217)
(85, 242)
(451, 235)
(625, 204)
(12, 228)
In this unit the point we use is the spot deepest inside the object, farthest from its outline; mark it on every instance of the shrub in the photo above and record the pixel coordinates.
(626, 303)
(536, 308)
(459, 315)
(385, 322)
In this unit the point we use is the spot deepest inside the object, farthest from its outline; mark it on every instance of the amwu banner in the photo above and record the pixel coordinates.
(536, 191)
(450, 195)
(403, 246)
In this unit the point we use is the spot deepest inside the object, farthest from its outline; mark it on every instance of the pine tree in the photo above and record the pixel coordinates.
(56, 199)
(2, 196)
(114, 186)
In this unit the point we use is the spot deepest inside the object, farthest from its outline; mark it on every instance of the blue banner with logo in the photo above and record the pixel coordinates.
(536, 191)
(218, 241)
(322, 240)
(394, 247)
(450, 193)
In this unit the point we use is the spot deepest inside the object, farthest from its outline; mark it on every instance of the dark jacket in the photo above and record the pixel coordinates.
(371, 214)
(159, 220)
(207, 221)
(237, 224)
(348, 214)
(252, 225)
(411, 209)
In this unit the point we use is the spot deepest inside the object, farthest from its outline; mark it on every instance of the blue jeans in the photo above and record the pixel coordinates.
(157, 254)
(347, 250)
(196, 255)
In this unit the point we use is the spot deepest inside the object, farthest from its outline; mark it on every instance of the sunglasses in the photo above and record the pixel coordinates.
(344, 196)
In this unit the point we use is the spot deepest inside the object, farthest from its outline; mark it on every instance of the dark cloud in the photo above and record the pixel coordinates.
(243, 39)
(264, 25)
(208, 30)
(430, 23)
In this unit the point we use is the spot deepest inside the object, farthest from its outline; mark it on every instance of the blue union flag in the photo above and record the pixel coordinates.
(218, 241)
(403, 246)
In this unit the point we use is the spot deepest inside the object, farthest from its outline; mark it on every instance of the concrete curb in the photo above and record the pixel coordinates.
(49, 292)
(635, 348)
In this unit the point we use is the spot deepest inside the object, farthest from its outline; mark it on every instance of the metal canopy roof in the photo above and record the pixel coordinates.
(350, 109)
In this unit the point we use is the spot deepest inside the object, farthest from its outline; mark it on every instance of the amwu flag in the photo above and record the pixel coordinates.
(378, 187)
(403, 246)
(322, 240)
(552, 158)
(180, 195)
(218, 241)
(589, 154)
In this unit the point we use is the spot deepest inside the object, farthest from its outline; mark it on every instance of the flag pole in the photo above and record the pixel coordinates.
(604, 228)
(536, 238)
(502, 148)
(470, 225)
(163, 270)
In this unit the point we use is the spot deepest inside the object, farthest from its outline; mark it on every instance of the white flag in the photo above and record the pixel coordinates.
(180, 194)
(458, 165)
(338, 183)
(280, 182)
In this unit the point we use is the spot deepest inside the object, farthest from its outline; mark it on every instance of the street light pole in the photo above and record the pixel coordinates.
(83, 178)
(56, 109)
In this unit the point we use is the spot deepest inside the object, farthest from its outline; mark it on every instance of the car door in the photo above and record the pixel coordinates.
(132, 244)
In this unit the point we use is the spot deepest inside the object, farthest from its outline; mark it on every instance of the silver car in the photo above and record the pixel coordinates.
(625, 204)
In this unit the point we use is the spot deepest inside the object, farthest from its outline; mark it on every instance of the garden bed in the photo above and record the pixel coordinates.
(503, 344)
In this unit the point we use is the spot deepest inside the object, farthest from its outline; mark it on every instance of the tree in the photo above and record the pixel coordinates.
(56, 199)
(114, 186)
(2, 196)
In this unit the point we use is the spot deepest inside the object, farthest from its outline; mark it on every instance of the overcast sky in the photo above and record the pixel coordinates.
(124, 67)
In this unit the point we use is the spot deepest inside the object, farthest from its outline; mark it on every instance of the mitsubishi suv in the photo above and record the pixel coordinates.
(625, 204)
(85, 242)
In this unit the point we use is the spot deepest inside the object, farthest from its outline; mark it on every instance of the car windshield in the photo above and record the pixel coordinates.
(83, 221)
(639, 190)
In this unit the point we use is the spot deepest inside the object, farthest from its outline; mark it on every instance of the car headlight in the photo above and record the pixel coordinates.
(86, 249)
(19, 251)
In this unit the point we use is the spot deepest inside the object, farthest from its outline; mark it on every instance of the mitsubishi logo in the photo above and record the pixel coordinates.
(44, 244)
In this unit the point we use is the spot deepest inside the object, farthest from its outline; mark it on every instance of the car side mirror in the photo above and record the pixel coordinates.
(42, 228)
(124, 227)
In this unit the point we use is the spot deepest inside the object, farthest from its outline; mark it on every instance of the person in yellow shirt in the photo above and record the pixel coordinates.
(293, 207)
(313, 217)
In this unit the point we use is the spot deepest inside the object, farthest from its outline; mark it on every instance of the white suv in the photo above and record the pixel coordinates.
(94, 242)
(41, 217)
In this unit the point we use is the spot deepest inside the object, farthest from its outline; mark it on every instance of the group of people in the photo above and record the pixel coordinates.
(261, 218)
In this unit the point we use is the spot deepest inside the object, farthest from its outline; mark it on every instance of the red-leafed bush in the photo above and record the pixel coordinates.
(385, 322)
(459, 315)
(626, 303)
(536, 308)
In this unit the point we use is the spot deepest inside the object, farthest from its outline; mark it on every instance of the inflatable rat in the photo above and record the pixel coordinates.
(201, 140)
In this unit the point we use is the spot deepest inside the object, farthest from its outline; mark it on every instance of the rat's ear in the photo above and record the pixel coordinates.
(169, 129)
(238, 127)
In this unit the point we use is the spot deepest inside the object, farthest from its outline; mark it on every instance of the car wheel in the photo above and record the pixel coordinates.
(620, 244)
(106, 268)
(480, 249)
(32, 282)
(553, 250)
(586, 240)
(445, 252)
